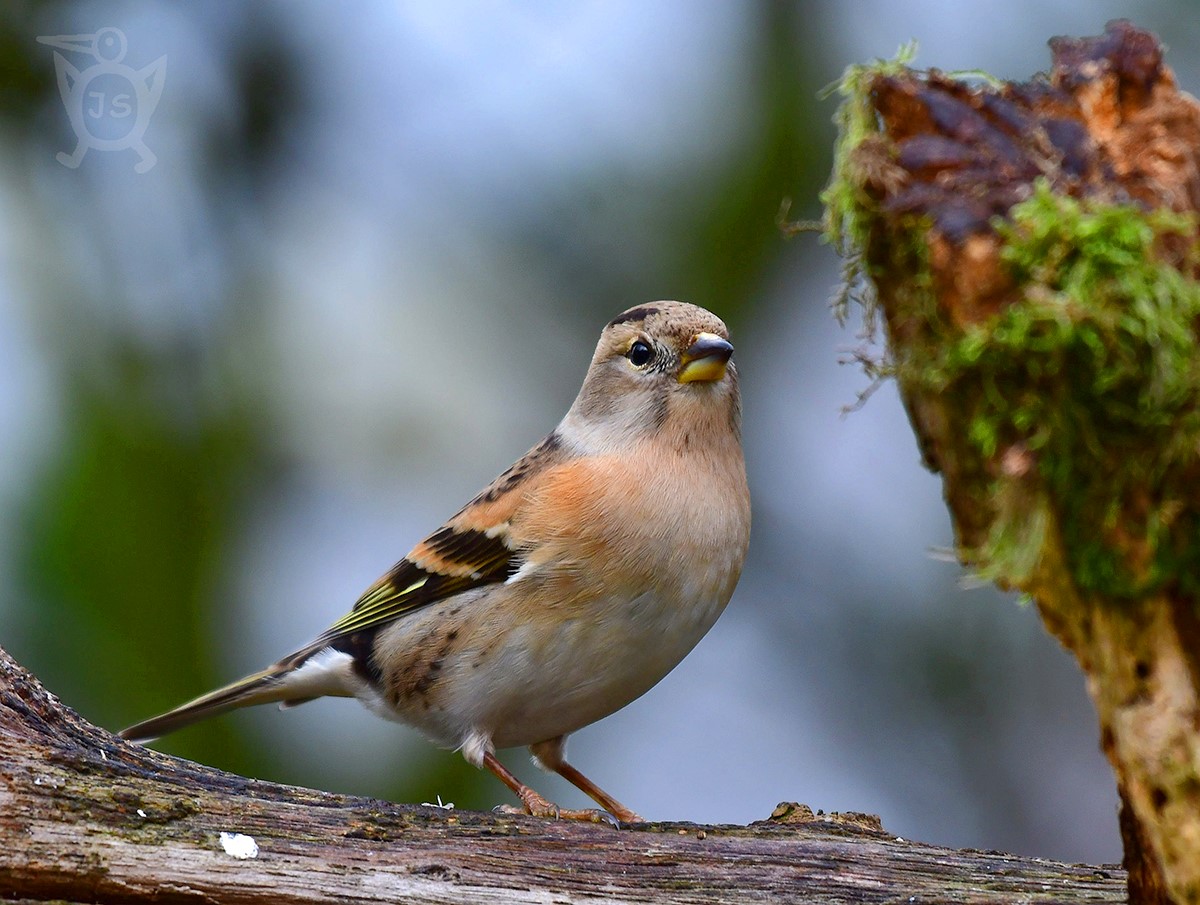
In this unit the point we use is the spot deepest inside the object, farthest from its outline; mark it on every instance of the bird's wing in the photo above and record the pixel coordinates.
(460, 560)
(474, 548)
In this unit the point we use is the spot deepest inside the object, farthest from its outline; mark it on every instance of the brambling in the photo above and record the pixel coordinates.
(569, 586)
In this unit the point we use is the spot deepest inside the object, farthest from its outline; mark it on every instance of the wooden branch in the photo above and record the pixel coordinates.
(86, 817)
(1033, 252)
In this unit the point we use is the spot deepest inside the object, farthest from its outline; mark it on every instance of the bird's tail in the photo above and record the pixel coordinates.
(259, 688)
(305, 675)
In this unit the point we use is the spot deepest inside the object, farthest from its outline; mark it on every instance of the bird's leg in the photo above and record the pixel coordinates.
(550, 754)
(534, 803)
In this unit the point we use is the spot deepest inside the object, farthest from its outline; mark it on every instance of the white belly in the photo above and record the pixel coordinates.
(587, 670)
(521, 686)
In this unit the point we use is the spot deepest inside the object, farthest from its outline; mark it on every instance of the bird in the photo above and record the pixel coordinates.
(566, 588)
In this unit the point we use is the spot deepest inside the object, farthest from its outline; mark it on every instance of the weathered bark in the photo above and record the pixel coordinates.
(1033, 251)
(86, 817)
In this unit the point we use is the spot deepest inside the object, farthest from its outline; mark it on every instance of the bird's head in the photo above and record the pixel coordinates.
(662, 365)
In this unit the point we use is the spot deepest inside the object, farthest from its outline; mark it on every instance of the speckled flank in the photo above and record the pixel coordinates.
(414, 681)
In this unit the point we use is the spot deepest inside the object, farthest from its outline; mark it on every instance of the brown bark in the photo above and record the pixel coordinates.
(86, 817)
(1093, 510)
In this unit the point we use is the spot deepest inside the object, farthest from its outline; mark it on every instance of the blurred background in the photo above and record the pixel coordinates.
(366, 273)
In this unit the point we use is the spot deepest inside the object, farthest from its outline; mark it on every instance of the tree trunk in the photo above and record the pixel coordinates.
(86, 817)
(1031, 250)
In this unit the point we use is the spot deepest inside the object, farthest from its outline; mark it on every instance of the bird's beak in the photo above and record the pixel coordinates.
(80, 43)
(705, 359)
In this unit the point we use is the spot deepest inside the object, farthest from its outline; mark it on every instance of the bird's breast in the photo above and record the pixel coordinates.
(628, 565)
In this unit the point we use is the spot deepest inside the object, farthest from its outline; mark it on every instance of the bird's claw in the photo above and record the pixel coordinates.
(537, 806)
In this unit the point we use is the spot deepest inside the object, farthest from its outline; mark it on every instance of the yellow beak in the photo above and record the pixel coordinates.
(705, 359)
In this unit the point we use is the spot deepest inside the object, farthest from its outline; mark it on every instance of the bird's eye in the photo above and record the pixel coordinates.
(640, 354)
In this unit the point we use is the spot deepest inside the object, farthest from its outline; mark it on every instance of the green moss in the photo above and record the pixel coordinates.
(848, 208)
(1093, 369)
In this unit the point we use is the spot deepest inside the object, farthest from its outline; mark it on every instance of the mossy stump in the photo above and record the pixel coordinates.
(1031, 252)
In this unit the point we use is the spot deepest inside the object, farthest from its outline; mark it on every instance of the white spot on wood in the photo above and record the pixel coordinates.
(239, 845)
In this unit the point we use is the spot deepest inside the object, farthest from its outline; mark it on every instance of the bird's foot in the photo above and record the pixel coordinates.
(537, 806)
(624, 815)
